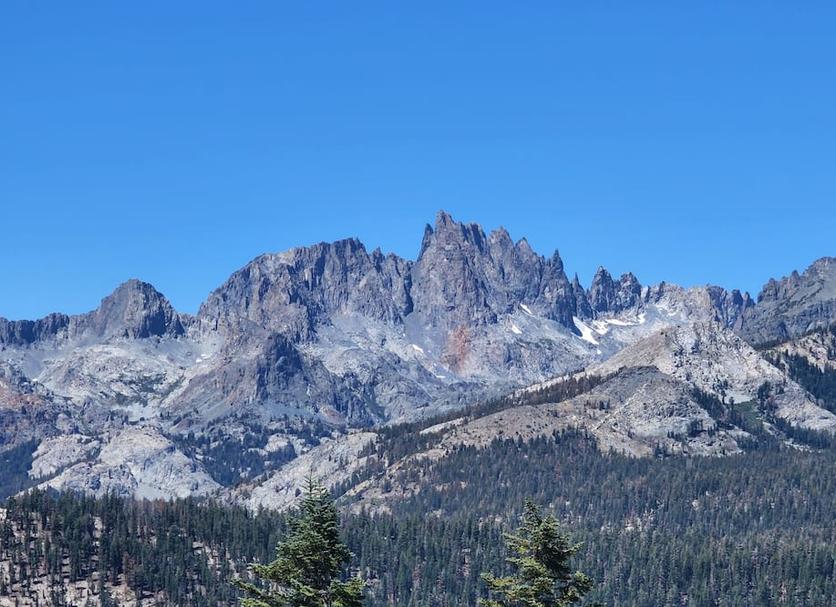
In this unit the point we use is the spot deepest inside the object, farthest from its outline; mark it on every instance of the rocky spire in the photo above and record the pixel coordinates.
(629, 291)
(556, 294)
(609, 297)
(601, 291)
(449, 280)
(134, 310)
(582, 307)
(449, 232)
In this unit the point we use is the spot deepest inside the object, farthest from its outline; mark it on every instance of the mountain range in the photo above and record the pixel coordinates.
(300, 359)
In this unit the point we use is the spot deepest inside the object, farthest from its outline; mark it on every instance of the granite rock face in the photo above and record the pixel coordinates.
(24, 332)
(333, 335)
(609, 296)
(295, 291)
(135, 310)
(463, 278)
(793, 305)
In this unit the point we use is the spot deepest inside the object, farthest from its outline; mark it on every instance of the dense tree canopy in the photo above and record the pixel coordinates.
(757, 529)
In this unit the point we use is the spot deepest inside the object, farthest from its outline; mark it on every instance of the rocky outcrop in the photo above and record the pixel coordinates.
(609, 297)
(338, 335)
(450, 283)
(730, 306)
(25, 332)
(556, 297)
(294, 292)
(582, 306)
(464, 279)
(135, 310)
(715, 360)
(140, 462)
(793, 305)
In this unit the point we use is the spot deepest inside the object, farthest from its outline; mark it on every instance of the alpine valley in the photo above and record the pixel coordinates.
(400, 383)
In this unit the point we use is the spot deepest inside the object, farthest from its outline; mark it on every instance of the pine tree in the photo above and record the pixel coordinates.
(541, 558)
(105, 598)
(306, 572)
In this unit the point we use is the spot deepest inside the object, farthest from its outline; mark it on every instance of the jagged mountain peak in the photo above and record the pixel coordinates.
(352, 336)
(449, 233)
(524, 246)
(500, 237)
(556, 261)
(793, 305)
(132, 285)
(629, 277)
(823, 264)
(296, 291)
(133, 292)
(819, 273)
(464, 279)
(135, 309)
(503, 231)
(602, 274)
(609, 296)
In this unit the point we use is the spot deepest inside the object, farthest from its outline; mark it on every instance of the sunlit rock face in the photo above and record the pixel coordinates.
(323, 338)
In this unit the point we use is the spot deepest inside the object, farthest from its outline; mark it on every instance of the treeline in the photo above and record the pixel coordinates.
(233, 457)
(826, 334)
(820, 382)
(188, 551)
(753, 529)
(399, 440)
(751, 417)
(229, 459)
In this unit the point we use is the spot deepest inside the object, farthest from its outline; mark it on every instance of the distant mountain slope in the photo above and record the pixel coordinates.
(754, 529)
(304, 344)
(794, 305)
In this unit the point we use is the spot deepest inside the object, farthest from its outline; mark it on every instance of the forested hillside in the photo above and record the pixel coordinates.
(752, 529)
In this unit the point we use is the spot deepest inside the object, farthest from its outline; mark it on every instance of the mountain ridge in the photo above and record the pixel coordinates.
(324, 340)
(604, 295)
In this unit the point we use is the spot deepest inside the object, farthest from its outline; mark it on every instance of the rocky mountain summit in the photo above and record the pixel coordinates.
(794, 305)
(135, 310)
(301, 347)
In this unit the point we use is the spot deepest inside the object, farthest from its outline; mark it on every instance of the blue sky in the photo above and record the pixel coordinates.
(690, 143)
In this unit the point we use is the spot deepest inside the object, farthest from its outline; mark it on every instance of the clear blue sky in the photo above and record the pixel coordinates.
(173, 142)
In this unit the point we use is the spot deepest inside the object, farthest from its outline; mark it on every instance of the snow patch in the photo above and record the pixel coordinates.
(516, 329)
(526, 309)
(601, 327)
(417, 348)
(587, 332)
(618, 322)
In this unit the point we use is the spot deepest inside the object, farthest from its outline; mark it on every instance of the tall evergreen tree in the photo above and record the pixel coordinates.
(306, 572)
(541, 557)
